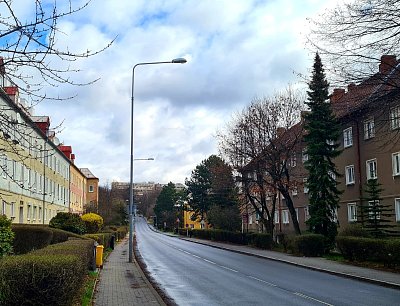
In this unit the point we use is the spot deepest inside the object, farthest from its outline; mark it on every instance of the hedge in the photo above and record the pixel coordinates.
(307, 245)
(50, 276)
(101, 238)
(370, 249)
(33, 237)
(260, 240)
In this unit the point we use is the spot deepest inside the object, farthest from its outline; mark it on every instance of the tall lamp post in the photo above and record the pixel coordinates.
(131, 212)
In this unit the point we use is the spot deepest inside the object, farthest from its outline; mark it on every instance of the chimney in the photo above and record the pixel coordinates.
(337, 94)
(12, 92)
(388, 62)
(73, 158)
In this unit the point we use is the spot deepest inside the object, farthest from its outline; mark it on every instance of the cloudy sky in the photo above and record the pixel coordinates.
(236, 50)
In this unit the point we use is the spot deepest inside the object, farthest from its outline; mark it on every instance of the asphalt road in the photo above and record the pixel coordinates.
(194, 274)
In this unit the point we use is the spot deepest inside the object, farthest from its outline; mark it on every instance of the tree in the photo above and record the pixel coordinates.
(166, 209)
(375, 216)
(322, 133)
(112, 205)
(30, 46)
(259, 143)
(211, 188)
(353, 36)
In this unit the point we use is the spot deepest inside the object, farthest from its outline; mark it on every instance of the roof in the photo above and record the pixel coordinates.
(40, 119)
(86, 172)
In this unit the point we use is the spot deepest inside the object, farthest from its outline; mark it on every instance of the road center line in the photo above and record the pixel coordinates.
(186, 252)
(263, 281)
(310, 298)
(209, 261)
(229, 269)
(196, 256)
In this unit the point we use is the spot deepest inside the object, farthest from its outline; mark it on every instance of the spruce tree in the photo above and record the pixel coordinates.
(376, 215)
(322, 133)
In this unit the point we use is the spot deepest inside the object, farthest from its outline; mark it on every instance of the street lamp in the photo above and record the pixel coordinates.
(174, 61)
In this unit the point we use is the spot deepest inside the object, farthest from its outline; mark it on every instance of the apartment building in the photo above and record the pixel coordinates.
(34, 180)
(92, 187)
(369, 115)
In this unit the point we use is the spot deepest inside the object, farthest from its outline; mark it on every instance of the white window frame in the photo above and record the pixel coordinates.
(3, 207)
(297, 213)
(369, 128)
(305, 187)
(304, 155)
(276, 217)
(397, 208)
(352, 212)
(293, 160)
(372, 173)
(350, 176)
(396, 163)
(285, 216)
(294, 191)
(250, 219)
(395, 118)
(13, 209)
(91, 188)
(306, 213)
(348, 137)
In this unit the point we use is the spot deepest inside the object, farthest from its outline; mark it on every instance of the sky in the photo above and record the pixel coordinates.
(236, 50)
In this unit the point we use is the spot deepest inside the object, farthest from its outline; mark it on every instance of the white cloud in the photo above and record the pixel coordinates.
(235, 49)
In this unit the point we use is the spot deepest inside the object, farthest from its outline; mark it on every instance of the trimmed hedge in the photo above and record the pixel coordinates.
(34, 237)
(260, 240)
(370, 249)
(50, 276)
(310, 245)
(101, 238)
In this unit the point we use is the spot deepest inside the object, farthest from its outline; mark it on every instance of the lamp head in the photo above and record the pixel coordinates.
(179, 60)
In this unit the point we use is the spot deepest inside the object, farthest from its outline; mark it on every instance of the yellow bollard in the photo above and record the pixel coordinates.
(99, 256)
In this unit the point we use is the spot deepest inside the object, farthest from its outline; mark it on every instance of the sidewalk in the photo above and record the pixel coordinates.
(382, 278)
(122, 283)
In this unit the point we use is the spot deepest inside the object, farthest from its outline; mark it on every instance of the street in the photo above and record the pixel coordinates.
(194, 274)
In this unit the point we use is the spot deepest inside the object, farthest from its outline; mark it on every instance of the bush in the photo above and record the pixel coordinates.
(93, 222)
(29, 238)
(392, 254)
(68, 222)
(307, 245)
(260, 240)
(50, 276)
(361, 249)
(6, 236)
(354, 230)
(101, 238)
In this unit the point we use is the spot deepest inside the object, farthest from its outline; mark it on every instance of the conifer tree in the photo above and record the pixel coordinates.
(376, 215)
(322, 133)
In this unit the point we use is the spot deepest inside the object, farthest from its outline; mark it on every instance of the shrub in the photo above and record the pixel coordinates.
(50, 276)
(260, 240)
(307, 245)
(29, 238)
(6, 236)
(68, 222)
(361, 249)
(392, 254)
(101, 238)
(354, 230)
(93, 222)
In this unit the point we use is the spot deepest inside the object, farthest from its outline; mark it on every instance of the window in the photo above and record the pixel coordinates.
(285, 216)
(369, 128)
(3, 208)
(293, 160)
(371, 169)
(34, 212)
(397, 208)
(305, 185)
(29, 212)
(352, 212)
(348, 137)
(91, 188)
(395, 118)
(297, 213)
(350, 180)
(306, 213)
(304, 155)
(396, 163)
(374, 209)
(276, 217)
(294, 190)
(13, 209)
(40, 213)
(250, 219)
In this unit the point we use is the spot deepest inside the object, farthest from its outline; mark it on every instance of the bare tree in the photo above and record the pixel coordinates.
(352, 37)
(259, 143)
(31, 50)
